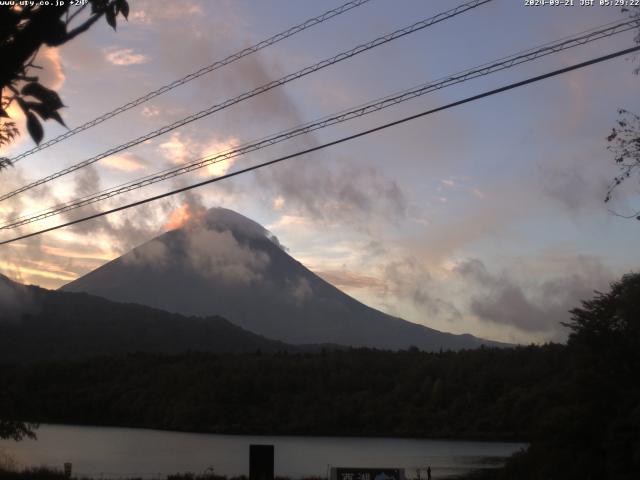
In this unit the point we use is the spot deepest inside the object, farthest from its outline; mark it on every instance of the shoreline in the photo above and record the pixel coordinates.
(479, 438)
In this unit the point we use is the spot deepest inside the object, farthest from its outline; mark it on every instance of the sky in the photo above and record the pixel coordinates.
(487, 218)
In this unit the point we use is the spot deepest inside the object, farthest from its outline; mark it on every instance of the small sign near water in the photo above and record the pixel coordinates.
(367, 474)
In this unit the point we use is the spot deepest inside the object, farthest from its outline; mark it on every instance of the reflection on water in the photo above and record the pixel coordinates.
(119, 452)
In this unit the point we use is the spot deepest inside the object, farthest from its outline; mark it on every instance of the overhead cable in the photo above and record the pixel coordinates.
(329, 144)
(356, 112)
(192, 76)
(257, 91)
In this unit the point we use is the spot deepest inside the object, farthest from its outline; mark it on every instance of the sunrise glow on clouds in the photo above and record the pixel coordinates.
(124, 57)
(481, 219)
(125, 161)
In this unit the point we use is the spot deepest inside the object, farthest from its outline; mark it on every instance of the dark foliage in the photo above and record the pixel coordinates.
(38, 324)
(593, 428)
(578, 405)
(40, 473)
(624, 143)
(624, 139)
(486, 393)
(15, 430)
(54, 325)
(24, 29)
(45, 473)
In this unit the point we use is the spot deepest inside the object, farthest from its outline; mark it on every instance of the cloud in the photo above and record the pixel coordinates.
(407, 278)
(478, 193)
(218, 254)
(155, 254)
(348, 279)
(52, 73)
(150, 111)
(214, 147)
(278, 203)
(123, 230)
(529, 304)
(348, 193)
(185, 213)
(458, 226)
(141, 17)
(190, 36)
(221, 219)
(181, 148)
(176, 149)
(575, 185)
(125, 162)
(300, 290)
(148, 12)
(124, 57)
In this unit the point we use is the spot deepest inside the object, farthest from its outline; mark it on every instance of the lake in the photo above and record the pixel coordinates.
(119, 452)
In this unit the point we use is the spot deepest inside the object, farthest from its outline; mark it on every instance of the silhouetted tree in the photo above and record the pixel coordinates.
(16, 430)
(592, 427)
(24, 29)
(609, 320)
(624, 139)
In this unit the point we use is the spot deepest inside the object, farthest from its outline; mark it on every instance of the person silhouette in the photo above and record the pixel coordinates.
(429, 473)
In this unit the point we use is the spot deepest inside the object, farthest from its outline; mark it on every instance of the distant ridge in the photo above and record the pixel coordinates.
(226, 264)
(38, 324)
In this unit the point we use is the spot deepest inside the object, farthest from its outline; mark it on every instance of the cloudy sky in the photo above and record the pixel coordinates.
(487, 218)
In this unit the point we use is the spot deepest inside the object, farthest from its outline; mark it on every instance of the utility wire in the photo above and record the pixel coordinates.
(192, 76)
(335, 142)
(262, 89)
(356, 112)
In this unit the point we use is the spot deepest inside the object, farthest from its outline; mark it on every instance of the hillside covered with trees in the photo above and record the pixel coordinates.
(42, 325)
(577, 404)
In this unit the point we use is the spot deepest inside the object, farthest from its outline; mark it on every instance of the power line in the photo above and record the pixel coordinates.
(192, 76)
(365, 109)
(259, 90)
(335, 142)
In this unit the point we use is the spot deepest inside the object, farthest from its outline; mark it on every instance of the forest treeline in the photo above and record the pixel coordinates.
(486, 393)
(578, 405)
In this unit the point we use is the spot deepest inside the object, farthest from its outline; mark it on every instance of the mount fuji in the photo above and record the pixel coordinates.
(228, 265)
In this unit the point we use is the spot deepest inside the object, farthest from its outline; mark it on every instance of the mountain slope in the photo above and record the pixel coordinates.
(38, 324)
(228, 265)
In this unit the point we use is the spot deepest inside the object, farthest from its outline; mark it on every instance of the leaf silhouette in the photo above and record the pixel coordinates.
(122, 7)
(110, 14)
(46, 112)
(34, 127)
(46, 96)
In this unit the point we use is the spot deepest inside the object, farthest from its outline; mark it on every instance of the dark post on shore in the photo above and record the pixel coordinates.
(261, 462)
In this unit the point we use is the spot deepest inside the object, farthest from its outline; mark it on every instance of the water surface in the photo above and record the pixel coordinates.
(120, 452)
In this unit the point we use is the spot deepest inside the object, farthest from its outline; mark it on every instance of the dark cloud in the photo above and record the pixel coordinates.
(129, 228)
(407, 278)
(532, 306)
(14, 178)
(348, 193)
(348, 279)
(576, 185)
(218, 254)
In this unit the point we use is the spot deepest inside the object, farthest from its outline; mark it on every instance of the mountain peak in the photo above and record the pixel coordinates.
(188, 218)
(219, 262)
(222, 219)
